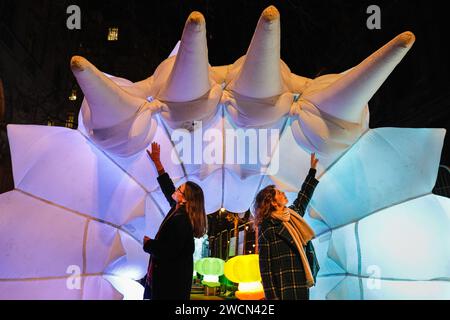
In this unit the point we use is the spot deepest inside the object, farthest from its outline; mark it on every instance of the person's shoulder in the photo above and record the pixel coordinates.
(181, 219)
(268, 226)
(270, 222)
(181, 213)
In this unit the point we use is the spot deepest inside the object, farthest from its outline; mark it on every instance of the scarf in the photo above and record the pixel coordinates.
(301, 232)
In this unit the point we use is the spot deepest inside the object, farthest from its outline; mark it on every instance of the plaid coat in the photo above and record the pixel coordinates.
(282, 272)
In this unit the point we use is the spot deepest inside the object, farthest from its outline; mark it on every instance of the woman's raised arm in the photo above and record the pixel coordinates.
(305, 194)
(166, 184)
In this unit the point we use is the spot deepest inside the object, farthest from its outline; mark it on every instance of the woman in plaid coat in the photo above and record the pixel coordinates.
(286, 272)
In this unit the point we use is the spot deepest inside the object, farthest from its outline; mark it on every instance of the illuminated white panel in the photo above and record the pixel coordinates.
(134, 264)
(212, 190)
(140, 166)
(38, 240)
(63, 167)
(98, 288)
(153, 219)
(92, 288)
(239, 193)
(45, 289)
(103, 246)
(131, 290)
(289, 170)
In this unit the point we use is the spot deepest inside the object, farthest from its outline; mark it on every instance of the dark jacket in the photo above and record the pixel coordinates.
(282, 272)
(172, 251)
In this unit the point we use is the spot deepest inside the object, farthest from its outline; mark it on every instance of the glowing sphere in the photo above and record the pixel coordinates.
(245, 271)
(243, 268)
(210, 266)
(210, 269)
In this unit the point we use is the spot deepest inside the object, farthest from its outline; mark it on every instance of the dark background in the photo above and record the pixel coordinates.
(318, 37)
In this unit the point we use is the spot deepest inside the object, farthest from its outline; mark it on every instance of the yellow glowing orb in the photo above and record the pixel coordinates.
(243, 269)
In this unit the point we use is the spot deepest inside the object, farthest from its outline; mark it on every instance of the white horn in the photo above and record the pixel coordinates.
(260, 75)
(189, 78)
(346, 97)
(108, 103)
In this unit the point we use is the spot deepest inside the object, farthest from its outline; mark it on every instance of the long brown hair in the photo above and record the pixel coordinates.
(263, 204)
(195, 208)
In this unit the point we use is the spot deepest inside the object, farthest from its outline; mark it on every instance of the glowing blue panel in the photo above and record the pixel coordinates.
(385, 167)
(408, 241)
(343, 248)
(348, 289)
(323, 286)
(406, 290)
(327, 265)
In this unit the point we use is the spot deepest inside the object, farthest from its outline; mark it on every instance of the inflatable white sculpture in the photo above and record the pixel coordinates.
(83, 199)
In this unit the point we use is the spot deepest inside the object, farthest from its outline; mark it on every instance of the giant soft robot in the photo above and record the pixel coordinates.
(83, 199)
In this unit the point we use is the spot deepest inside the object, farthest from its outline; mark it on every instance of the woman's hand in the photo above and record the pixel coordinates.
(155, 154)
(314, 161)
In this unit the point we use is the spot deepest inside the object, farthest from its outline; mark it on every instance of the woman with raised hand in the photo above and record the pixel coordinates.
(170, 268)
(287, 259)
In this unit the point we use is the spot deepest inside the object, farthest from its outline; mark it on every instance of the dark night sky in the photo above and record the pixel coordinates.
(318, 37)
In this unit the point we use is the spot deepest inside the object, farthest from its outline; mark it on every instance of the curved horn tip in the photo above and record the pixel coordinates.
(78, 63)
(271, 13)
(406, 39)
(196, 18)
